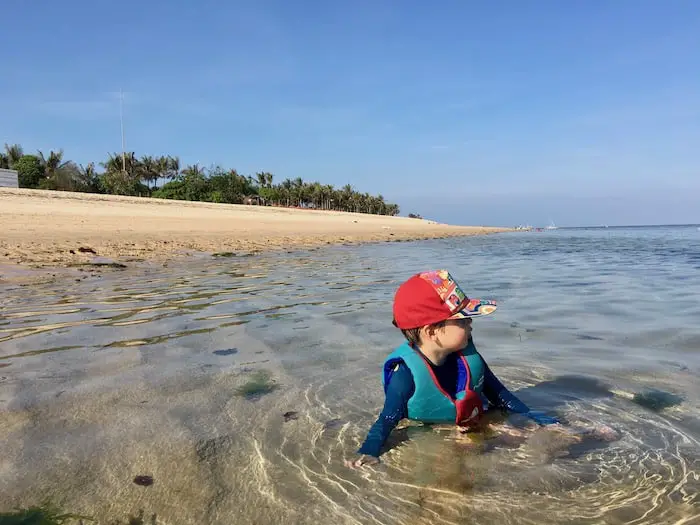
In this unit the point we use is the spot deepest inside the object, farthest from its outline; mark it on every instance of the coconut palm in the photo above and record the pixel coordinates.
(13, 153)
(123, 174)
(149, 169)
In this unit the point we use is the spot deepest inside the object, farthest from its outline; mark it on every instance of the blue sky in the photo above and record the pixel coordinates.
(501, 112)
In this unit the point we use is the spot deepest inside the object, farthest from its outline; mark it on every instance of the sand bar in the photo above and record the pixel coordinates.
(40, 228)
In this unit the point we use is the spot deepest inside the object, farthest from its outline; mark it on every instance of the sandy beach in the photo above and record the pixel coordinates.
(43, 229)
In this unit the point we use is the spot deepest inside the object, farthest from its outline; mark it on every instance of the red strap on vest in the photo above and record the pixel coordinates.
(471, 408)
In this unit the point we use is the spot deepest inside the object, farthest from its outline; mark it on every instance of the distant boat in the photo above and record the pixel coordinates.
(551, 226)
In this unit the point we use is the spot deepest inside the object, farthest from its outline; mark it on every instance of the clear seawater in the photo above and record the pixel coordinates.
(139, 372)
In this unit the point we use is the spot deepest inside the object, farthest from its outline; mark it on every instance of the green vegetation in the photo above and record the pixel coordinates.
(259, 383)
(657, 400)
(129, 175)
(46, 515)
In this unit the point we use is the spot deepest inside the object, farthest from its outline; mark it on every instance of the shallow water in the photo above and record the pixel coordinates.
(141, 372)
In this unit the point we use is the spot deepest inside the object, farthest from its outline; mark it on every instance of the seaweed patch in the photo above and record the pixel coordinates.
(258, 384)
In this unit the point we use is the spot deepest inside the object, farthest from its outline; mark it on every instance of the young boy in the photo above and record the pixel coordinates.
(437, 375)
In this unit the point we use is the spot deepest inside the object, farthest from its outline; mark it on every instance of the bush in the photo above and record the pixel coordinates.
(30, 172)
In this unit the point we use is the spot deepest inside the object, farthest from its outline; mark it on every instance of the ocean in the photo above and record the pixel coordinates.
(230, 390)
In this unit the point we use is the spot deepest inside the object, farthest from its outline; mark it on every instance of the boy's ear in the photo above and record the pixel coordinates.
(429, 330)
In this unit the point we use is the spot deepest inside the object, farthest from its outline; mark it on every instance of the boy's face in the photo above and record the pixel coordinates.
(455, 334)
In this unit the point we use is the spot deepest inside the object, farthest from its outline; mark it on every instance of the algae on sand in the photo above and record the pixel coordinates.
(49, 515)
(259, 383)
(656, 400)
(46, 515)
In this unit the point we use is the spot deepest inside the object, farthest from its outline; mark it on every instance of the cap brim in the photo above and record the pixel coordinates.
(475, 308)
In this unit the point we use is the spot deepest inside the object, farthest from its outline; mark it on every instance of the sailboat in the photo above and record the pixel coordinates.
(551, 226)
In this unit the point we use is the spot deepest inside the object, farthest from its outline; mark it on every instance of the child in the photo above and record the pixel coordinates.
(437, 375)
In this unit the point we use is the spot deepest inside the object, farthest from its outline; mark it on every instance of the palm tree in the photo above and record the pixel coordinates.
(168, 167)
(329, 191)
(366, 203)
(117, 163)
(298, 185)
(120, 181)
(287, 187)
(193, 170)
(58, 173)
(380, 204)
(150, 169)
(315, 193)
(13, 153)
(162, 169)
(88, 178)
(123, 176)
(264, 179)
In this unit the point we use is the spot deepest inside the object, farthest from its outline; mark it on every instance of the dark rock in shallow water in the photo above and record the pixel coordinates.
(144, 481)
(100, 265)
(228, 351)
(290, 416)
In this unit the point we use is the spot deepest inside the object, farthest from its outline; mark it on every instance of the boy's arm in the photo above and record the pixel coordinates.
(501, 397)
(398, 392)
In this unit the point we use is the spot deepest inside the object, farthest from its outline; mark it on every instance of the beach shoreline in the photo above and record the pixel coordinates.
(43, 229)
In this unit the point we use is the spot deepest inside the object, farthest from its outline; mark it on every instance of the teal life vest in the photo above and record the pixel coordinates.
(429, 402)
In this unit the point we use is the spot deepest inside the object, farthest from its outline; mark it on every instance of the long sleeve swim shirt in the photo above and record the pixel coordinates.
(401, 387)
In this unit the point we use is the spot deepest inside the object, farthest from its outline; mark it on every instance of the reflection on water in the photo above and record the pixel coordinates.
(239, 385)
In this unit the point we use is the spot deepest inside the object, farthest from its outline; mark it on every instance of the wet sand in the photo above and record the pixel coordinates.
(48, 228)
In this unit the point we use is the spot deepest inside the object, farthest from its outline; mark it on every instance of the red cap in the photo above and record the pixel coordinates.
(432, 297)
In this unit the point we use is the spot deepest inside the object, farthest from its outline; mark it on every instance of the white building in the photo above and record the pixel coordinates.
(8, 178)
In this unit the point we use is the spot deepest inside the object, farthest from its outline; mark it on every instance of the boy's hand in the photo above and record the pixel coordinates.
(363, 460)
(541, 418)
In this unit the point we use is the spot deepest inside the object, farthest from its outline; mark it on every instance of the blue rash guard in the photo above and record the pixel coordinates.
(402, 386)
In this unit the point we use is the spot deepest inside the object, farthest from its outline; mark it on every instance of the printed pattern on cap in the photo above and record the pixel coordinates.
(453, 296)
(478, 307)
(446, 287)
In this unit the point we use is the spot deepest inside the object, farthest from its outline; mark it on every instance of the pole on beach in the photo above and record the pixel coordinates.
(121, 123)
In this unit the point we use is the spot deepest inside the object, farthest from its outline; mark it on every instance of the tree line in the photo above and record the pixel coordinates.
(127, 174)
